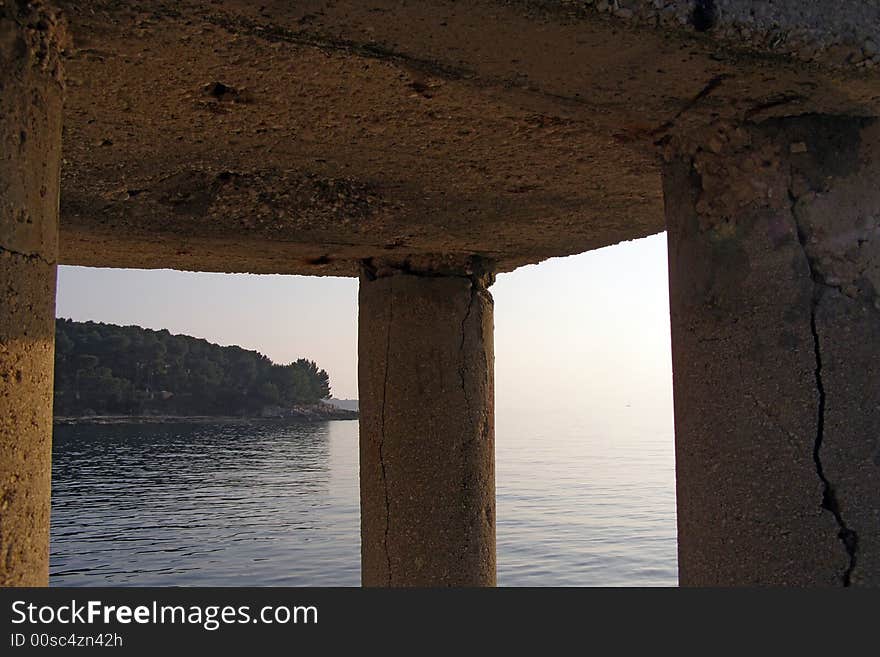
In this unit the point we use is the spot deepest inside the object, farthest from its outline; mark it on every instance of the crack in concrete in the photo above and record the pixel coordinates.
(793, 440)
(773, 103)
(707, 89)
(474, 297)
(382, 433)
(847, 536)
(26, 256)
(275, 33)
(381, 53)
(461, 358)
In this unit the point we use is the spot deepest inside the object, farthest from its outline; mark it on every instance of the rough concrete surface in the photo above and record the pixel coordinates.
(427, 468)
(773, 261)
(26, 374)
(30, 144)
(834, 33)
(416, 142)
(304, 137)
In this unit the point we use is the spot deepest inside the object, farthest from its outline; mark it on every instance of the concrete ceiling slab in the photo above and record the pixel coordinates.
(304, 137)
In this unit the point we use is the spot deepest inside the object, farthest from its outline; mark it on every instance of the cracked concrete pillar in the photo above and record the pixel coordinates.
(427, 439)
(30, 150)
(774, 267)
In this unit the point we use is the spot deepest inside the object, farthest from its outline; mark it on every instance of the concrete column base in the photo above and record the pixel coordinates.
(774, 267)
(427, 452)
(30, 156)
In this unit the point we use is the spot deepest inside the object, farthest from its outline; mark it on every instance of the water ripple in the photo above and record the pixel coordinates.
(275, 505)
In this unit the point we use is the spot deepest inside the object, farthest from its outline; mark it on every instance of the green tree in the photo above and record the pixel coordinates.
(128, 369)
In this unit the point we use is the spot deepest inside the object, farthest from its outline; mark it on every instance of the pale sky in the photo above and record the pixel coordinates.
(592, 327)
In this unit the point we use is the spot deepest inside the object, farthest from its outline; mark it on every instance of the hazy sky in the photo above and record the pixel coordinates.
(593, 327)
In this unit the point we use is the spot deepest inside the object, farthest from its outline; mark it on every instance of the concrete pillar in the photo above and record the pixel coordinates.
(30, 150)
(774, 267)
(427, 437)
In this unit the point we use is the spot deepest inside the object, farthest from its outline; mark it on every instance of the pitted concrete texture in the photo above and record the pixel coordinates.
(427, 428)
(30, 120)
(840, 34)
(305, 137)
(30, 145)
(774, 261)
(26, 374)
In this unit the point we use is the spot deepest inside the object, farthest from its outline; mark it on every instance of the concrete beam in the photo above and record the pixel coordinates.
(306, 137)
(427, 440)
(774, 266)
(30, 156)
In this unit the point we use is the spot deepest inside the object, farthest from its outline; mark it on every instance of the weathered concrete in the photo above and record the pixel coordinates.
(312, 137)
(304, 137)
(774, 263)
(427, 455)
(30, 155)
(822, 31)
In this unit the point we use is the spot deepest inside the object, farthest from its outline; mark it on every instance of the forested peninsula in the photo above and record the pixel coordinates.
(104, 370)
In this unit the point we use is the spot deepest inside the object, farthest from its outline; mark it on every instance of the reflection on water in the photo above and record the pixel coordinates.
(583, 506)
(269, 504)
(233, 505)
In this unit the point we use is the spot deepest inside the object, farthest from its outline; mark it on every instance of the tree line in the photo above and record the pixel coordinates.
(105, 369)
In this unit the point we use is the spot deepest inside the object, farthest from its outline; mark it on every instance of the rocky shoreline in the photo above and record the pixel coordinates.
(320, 413)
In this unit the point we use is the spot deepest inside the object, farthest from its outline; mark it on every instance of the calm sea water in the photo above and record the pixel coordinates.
(275, 505)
